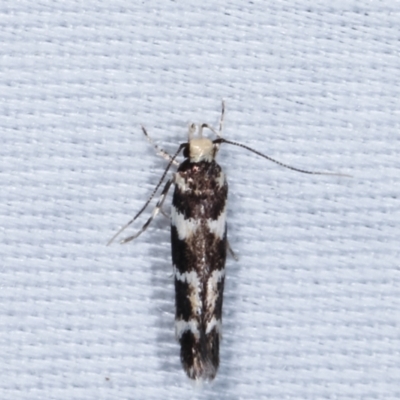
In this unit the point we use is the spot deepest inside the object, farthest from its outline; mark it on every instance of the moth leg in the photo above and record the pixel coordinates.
(231, 252)
(156, 210)
(164, 213)
(161, 152)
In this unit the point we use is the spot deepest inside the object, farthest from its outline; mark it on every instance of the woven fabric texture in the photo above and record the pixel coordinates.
(312, 307)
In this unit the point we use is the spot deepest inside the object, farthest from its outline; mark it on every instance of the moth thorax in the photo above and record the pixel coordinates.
(201, 149)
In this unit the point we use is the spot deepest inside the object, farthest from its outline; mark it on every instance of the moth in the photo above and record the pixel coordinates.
(199, 244)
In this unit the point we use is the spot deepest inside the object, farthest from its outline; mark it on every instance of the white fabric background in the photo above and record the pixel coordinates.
(311, 310)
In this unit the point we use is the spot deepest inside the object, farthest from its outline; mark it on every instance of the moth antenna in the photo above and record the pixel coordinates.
(221, 140)
(217, 134)
(192, 130)
(200, 131)
(221, 120)
(151, 196)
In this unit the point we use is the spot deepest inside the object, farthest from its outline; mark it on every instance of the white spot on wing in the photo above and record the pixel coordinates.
(182, 326)
(188, 277)
(194, 289)
(212, 288)
(214, 323)
(185, 227)
(180, 182)
(221, 180)
(218, 226)
(188, 227)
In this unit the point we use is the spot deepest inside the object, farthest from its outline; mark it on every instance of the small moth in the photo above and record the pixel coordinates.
(199, 244)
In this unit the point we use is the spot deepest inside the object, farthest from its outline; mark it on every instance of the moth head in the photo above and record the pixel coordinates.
(199, 148)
